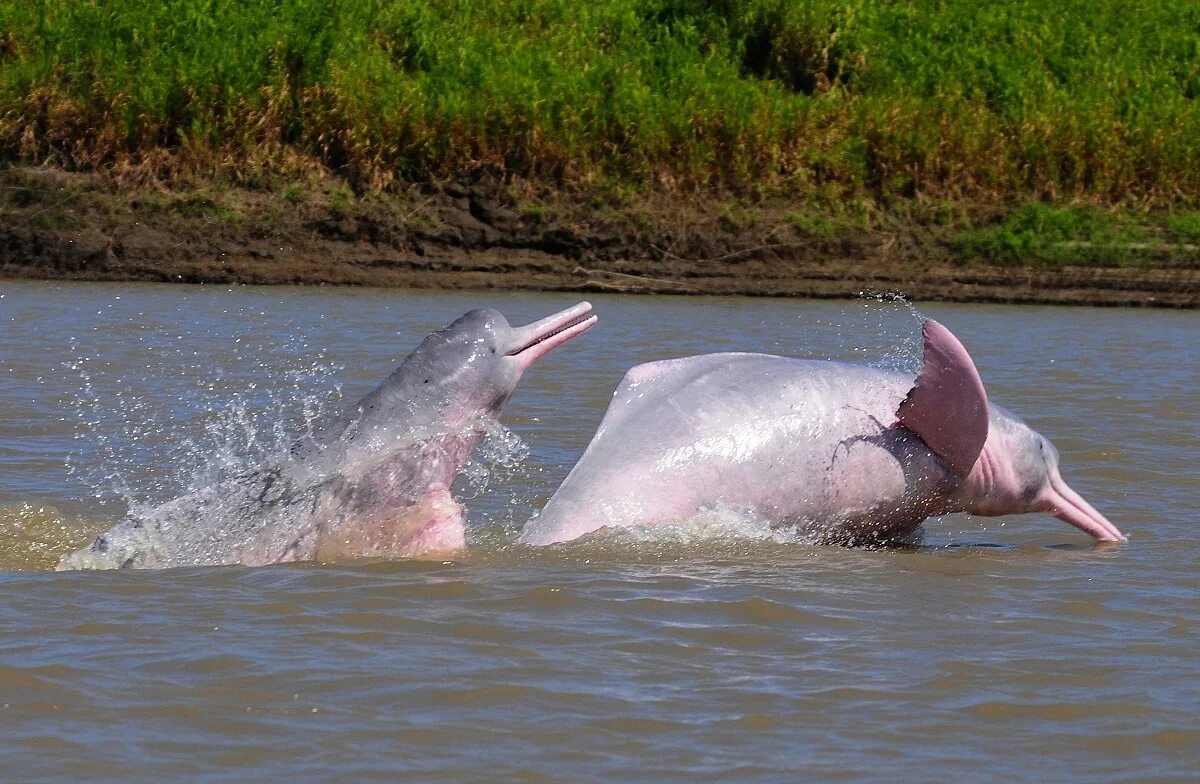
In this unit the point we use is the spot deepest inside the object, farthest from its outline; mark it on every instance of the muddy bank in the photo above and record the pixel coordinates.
(58, 225)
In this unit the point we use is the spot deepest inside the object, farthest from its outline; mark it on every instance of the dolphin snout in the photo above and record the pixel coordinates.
(1064, 503)
(532, 342)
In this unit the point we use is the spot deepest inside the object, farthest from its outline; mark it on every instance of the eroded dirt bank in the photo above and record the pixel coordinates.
(58, 225)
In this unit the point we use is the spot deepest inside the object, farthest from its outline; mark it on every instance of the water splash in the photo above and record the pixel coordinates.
(500, 455)
(900, 347)
(717, 524)
(881, 330)
(235, 489)
(188, 417)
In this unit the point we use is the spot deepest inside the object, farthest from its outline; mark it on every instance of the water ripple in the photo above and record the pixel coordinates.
(998, 651)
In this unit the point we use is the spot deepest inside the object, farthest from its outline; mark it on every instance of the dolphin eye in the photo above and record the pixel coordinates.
(493, 349)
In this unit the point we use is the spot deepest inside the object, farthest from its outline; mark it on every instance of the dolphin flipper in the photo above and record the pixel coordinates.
(947, 406)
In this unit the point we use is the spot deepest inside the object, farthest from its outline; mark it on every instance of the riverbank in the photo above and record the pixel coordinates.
(758, 147)
(489, 234)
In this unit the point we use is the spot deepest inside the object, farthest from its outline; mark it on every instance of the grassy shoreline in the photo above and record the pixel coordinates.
(822, 103)
(184, 139)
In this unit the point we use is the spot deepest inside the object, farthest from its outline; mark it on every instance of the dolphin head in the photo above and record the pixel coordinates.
(1018, 471)
(473, 365)
(455, 376)
(469, 367)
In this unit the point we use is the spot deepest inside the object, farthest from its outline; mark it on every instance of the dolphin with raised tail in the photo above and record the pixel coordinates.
(849, 454)
(374, 481)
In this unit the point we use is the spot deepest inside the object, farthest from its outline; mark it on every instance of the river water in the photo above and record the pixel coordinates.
(1004, 650)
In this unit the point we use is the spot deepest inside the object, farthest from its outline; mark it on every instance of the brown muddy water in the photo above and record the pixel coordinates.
(999, 650)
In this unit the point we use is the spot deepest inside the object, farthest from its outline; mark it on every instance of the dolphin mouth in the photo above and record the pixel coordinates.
(1064, 503)
(540, 338)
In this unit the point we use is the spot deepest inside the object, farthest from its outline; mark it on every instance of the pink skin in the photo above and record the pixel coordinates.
(947, 405)
(848, 453)
(430, 528)
(434, 524)
(373, 481)
(1064, 503)
(531, 343)
(1017, 471)
(793, 442)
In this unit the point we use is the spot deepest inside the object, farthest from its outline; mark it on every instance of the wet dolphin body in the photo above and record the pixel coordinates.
(850, 453)
(373, 482)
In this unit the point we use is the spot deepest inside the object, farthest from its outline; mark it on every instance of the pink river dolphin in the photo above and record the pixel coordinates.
(849, 454)
(374, 481)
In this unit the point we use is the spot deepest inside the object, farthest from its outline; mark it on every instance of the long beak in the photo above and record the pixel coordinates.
(533, 342)
(1064, 503)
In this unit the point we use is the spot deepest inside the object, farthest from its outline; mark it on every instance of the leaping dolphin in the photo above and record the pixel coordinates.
(850, 453)
(373, 482)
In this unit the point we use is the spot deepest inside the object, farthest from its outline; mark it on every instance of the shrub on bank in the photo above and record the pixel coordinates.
(826, 101)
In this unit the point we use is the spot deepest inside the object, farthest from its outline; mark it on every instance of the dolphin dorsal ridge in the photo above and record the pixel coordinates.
(947, 406)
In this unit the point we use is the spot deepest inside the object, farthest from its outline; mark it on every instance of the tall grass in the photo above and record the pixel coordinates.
(864, 99)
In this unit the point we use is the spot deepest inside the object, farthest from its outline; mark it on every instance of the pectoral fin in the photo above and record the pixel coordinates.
(947, 406)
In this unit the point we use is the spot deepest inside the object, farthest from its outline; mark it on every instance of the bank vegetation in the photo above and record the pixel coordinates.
(1034, 131)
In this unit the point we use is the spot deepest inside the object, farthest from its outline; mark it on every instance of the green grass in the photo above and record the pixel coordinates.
(815, 225)
(1054, 100)
(533, 211)
(292, 194)
(1186, 226)
(1082, 235)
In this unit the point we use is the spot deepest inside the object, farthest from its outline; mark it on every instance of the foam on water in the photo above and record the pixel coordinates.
(269, 505)
(718, 524)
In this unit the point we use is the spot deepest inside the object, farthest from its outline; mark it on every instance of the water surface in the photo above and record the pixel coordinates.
(1006, 649)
